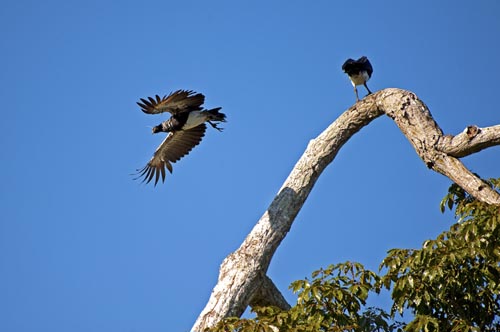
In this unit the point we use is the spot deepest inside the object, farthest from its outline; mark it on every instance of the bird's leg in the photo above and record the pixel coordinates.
(366, 86)
(356, 92)
(214, 125)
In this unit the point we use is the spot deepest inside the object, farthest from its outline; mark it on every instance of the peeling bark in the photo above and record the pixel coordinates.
(242, 279)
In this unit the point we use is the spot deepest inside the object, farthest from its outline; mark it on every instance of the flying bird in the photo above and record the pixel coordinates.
(185, 127)
(359, 72)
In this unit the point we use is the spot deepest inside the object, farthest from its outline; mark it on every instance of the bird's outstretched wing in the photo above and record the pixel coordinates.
(176, 102)
(173, 148)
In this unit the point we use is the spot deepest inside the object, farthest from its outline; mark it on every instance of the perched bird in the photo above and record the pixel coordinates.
(186, 128)
(359, 72)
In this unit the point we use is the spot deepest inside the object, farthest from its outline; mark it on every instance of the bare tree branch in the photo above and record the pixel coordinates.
(242, 273)
(473, 139)
(268, 295)
(415, 121)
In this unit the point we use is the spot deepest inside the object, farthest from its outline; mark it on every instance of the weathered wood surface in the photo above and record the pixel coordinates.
(242, 278)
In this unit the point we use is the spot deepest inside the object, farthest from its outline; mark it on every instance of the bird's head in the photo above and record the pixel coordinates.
(157, 129)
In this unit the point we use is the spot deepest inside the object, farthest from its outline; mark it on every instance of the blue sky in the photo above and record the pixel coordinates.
(83, 247)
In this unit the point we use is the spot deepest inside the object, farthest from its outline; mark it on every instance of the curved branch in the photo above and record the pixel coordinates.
(241, 273)
(415, 121)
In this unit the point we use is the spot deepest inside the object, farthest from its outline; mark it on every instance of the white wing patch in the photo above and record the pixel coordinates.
(194, 119)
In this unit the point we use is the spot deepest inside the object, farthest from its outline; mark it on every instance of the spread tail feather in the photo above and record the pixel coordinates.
(216, 116)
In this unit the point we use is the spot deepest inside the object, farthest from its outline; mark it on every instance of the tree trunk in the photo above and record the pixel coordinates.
(242, 278)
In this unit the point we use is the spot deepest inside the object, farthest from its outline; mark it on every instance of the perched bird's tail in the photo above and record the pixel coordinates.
(216, 116)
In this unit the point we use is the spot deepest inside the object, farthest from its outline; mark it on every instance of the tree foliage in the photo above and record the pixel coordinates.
(453, 282)
(450, 284)
(332, 300)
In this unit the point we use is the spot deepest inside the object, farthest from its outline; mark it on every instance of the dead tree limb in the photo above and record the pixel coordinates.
(473, 139)
(242, 279)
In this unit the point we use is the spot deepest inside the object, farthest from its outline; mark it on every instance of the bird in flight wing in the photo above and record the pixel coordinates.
(185, 127)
